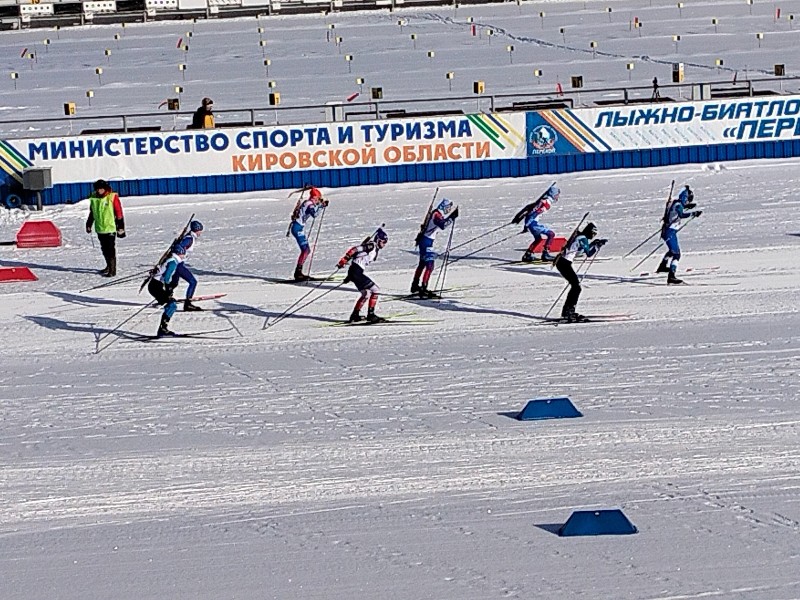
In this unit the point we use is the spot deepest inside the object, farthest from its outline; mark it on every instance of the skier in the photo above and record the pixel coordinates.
(311, 207)
(531, 214)
(580, 245)
(676, 210)
(438, 220)
(182, 271)
(162, 286)
(361, 256)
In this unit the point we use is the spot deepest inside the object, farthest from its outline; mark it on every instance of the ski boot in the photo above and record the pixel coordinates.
(663, 268)
(163, 330)
(355, 317)
(672, 280)
(189, 307)
(299, 275)
(415, 286)
(576, 318)
(425, 293)
(373, 318)
(547, 257)
(527, 257)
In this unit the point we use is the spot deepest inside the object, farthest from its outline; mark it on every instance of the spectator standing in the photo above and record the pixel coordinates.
(105, 216)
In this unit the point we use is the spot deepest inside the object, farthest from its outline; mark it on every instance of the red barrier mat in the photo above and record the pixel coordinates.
(16, 274)
(38, 234)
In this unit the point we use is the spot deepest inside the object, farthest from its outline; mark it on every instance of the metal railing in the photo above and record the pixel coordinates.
(392, 109)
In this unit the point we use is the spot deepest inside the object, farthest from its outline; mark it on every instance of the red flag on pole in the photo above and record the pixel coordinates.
(180, 42)
(559, 89)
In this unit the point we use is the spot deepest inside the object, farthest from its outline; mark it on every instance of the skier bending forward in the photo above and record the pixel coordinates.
(162, 286)
(361, 256)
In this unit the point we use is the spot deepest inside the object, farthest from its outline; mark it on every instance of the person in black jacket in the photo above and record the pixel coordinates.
(203, 116)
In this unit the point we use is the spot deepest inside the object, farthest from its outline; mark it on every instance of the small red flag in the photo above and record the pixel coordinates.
(180, 42)
(24, 52)
(352, 97)
(559, 89)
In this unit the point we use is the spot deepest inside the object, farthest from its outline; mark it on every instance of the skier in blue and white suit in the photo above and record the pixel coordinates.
(531, 214)
(580, 245)
(187, 243)
(680, 208)
(163, 284)
(439, 220)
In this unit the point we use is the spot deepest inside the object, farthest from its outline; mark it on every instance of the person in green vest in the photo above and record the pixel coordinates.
(105, 215)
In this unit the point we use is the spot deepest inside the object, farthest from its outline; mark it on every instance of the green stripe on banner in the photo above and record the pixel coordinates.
(476, 120)
(21, 160)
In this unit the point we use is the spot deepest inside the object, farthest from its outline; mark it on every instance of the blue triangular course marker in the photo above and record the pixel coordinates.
(548, 408)
(597, 522)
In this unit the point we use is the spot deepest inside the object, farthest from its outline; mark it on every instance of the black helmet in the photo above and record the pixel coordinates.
(590, 230)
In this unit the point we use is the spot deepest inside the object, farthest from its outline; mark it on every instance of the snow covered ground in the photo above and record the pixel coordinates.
(307, 461)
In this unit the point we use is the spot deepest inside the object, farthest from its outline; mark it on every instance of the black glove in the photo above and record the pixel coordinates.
(454, 214)
(690, 205)
(697, 213)
(121, 233)
(600, 243)
(88, 229)
(325, 203)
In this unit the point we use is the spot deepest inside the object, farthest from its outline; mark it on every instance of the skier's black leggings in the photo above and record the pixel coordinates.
(567, 272)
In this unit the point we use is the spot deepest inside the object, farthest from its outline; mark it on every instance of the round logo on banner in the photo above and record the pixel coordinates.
(543, 139)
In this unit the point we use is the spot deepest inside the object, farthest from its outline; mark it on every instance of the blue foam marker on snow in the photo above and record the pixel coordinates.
(549, 408)
(597, 522)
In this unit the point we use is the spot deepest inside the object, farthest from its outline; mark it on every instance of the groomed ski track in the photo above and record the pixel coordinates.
(301, 461)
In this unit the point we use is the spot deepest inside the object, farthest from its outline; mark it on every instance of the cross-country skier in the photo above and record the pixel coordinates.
(531, 214)
(182, 271)
(580, 245)
(440, 219)
(678, 209)
(162, 286)
(361, 256)
(306, 209)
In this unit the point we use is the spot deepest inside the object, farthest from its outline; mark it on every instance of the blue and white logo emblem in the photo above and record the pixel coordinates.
(543, 139)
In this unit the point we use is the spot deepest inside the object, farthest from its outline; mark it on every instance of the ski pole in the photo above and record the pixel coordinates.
(115, 282)
(443, 270)
(486, 247)
(661, 243)
(116, 328)
(481, 235)
(589, 266)
(314, 247)
(296, 302)
(650, 237)
(286, 313)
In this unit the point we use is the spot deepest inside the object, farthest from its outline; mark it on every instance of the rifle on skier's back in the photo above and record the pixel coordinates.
(427, 218)
(166, 254)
